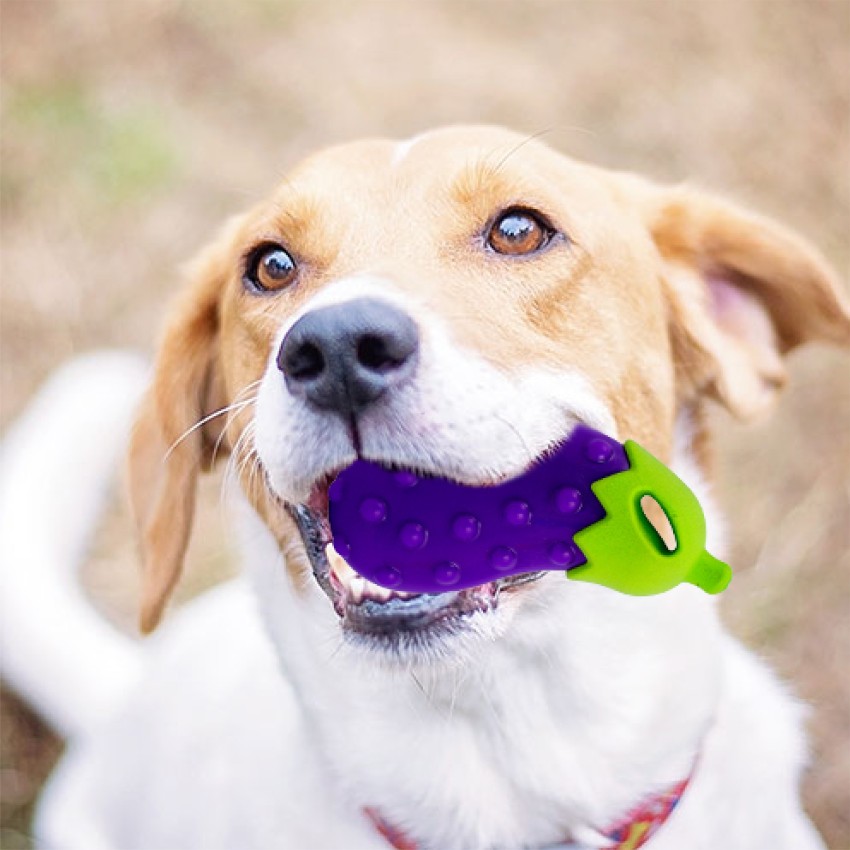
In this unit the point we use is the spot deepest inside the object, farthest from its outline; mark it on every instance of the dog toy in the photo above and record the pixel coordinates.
(577, 509)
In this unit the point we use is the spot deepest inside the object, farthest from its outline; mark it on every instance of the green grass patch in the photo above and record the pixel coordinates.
(119, 152)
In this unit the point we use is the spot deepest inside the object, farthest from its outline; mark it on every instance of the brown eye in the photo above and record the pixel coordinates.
(517, 232)
(269, 268)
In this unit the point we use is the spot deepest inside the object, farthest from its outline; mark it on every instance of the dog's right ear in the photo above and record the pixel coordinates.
(742, 292)
(171, 443)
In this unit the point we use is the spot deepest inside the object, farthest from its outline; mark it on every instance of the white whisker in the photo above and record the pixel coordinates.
(236, 401)
(236, 406)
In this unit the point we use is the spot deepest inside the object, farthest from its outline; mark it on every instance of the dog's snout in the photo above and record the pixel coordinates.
(344, 357)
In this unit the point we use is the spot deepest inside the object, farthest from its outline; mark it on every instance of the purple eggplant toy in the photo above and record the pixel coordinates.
(577, 509)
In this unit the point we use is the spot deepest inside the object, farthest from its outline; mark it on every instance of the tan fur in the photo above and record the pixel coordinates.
(659, 297)
(167, 451)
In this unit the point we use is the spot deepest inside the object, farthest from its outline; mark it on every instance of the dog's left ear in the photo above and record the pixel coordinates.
(742, 291)
(176, 436)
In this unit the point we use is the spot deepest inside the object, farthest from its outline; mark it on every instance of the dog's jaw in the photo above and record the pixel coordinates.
(402, 627)
(541, 682)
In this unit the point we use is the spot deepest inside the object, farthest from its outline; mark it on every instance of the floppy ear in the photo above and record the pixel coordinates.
(742, 291)
(169, 445)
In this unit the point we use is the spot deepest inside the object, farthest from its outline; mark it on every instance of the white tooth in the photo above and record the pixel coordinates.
(356, 588)
(354, 584)
(340, 567)
(381, 594)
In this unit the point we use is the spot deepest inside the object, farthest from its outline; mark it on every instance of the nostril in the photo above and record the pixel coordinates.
(305, 362)
(376, 354)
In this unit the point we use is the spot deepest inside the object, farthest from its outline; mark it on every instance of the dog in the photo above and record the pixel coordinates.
(453, 304)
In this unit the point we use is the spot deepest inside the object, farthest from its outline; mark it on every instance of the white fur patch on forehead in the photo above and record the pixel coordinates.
(402, 149)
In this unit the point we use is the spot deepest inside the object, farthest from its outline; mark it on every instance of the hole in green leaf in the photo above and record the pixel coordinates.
(660, 522)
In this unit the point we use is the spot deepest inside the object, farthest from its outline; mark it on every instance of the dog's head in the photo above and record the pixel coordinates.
(453, 305)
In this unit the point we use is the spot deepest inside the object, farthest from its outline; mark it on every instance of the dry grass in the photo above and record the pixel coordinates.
(130, 129)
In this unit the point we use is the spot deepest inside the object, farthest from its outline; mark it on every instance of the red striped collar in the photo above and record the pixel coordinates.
(631, 832)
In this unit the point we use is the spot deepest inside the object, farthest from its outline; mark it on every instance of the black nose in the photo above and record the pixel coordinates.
(342, 358)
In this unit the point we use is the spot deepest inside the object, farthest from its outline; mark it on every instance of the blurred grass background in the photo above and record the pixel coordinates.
(131, 129)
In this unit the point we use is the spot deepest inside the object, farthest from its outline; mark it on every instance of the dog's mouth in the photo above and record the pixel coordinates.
(369, 610)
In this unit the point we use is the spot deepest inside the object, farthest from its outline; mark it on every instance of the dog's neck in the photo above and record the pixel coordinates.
(587, 701)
